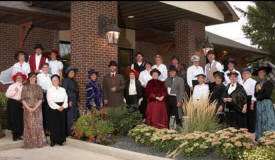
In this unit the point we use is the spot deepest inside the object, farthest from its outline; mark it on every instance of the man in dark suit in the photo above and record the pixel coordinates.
(113, 86)
(175, 88)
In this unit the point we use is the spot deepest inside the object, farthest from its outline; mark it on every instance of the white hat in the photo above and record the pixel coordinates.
(195, 58)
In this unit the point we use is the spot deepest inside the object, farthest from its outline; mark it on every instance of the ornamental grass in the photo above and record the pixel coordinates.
(200, 116)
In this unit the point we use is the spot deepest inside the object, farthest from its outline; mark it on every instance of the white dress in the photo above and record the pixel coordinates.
(200, 91)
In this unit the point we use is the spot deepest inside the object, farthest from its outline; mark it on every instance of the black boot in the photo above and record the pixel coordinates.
(52, 144)
(14, 137)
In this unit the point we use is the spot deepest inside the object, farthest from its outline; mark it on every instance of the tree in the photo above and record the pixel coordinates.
(260, 28)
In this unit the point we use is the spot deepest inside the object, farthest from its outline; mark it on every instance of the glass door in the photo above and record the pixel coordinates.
(125, 59)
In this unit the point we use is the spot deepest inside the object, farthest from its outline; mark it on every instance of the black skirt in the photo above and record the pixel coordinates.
(251, 116)
(57, 125)
(15, 117)
(234, 118)
(143, 106)
(46, 113)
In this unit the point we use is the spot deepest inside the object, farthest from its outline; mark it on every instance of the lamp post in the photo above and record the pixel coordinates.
(108, 28)
(207, 46)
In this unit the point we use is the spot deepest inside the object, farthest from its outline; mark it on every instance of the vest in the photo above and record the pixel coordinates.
(139, 68)
(210, 71)
(33, 64)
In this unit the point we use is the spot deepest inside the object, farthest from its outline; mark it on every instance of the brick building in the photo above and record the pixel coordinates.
(152, 27)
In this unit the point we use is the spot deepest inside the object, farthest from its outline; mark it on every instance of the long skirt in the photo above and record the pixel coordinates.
(34, 135)
(57, 125)
(251, 116)
(71, 116)
(265, 118)
(143, 105)
(156, 114)
(236, 119)
(45, 113)
(15, 117)
(132, 101)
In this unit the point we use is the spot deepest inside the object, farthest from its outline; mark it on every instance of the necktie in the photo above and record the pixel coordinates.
(113, 75)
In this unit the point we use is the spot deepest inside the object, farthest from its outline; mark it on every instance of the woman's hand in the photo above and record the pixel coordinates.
(61, 108)
(70, 103)
(252, 106)
(220, 110)
(244, 109)
(258, 87)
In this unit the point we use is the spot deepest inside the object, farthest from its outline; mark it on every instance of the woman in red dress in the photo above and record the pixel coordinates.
(156, 92)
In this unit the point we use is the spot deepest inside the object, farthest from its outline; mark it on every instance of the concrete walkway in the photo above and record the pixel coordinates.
(72, 150)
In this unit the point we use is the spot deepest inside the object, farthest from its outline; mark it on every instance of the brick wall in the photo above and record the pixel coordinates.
(9, 43)
(89, 50)
(186, 31)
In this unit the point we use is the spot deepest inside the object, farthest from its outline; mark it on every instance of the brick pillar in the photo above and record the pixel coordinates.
(89, 50)
(186, 31)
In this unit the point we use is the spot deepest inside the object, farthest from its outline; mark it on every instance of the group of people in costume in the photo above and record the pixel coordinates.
(42, 101)
(37, 104)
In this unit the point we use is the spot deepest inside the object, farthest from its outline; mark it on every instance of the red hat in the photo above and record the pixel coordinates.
(19, 74)
(128, 71)
(54, 51)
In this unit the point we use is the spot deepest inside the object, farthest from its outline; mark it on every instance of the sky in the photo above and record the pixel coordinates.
(233, 30)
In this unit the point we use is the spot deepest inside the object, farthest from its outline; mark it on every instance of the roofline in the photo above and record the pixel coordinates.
(234, 17)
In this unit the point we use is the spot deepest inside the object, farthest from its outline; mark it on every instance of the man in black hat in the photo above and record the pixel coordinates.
(36, 60)
(175, 89)
(139, 65)
(212, 67)
(113, 86)
(231, 63)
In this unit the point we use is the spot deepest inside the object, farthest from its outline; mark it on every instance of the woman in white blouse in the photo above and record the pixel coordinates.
(22, 65)
(55, 65)
(249, 86)
(201, 90)
(58, 101)
(161, 67)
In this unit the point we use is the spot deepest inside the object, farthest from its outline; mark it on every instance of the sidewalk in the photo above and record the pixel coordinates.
(72, 150)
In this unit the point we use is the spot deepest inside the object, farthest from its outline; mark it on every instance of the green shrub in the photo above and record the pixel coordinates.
(3, 100)
(259, 153)
(124, 119)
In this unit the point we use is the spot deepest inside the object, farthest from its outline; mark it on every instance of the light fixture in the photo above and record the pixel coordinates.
(207, 46)
(108, 28)
(130, 17)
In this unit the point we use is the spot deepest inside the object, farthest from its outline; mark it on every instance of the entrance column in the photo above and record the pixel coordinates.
(186, 33)
(88, 49)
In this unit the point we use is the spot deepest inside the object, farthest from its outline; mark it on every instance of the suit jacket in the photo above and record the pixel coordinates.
(33, 64)
(138, 89)
(177, 87)
(239, 98)
(114, 98)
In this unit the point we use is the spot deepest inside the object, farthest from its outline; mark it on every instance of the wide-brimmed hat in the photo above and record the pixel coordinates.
(246, 69)
(112, 63)
(128, 71)
(92, 71)
(268, 69)
(155, 70)
(172, 68)
(201, 74)
(232, 73)
(210, 52)
(55, 75)
(195, 58)
(232, 60)
(53, 51)
(38, 46)
(25, 55)
(24, 77)
(220, 74)
(70, 68)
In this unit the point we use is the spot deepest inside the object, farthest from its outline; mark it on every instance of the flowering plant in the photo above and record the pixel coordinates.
(94, 128)
(142, 134)
(268, 138)
(233, 142)
(259, 153)
(165, 140)
(196, 144)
